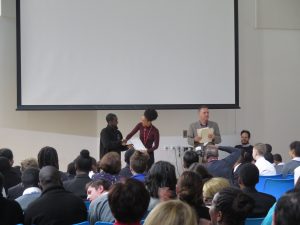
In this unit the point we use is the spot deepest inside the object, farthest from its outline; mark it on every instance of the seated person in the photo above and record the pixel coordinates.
(245, 144)
(268, 155)
(10, 211)
(17, 190)
(249, 176)
(30, 182)
(99, 210)
(83, 165)
(128, 202)
(138, 165)
(230, 206)
(189, 158)
(56, 205)
(294, 153)
(278, 164)
(189, 190)
(125, 172)
(212, 186)
(244, 158)
(173, 212)
(110, 164)
(265, 167)
(200, 169)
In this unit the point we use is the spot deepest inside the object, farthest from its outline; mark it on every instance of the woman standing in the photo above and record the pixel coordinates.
(149, 134)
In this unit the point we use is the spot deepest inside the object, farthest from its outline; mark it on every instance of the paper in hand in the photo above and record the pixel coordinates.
(137, 144)
(203, 133)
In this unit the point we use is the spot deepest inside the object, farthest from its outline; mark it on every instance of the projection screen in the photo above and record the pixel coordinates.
(127, 54)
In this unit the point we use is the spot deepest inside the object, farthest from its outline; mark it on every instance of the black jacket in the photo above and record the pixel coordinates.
(111, 141)
(15, 191)
(77, 185)
(56, 206)
(10, 212)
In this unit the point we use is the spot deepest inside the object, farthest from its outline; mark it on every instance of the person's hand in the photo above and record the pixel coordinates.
(124, 142)
(164, 194)
(211, 136)
(197, 139)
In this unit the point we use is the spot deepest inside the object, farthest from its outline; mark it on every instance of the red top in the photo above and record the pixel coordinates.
(119, 223)
(148, 135)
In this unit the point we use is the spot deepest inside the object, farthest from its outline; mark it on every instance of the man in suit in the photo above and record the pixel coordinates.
(193, 138)
(248, 178)
(223, 167)
(55, 205)
(111, 138)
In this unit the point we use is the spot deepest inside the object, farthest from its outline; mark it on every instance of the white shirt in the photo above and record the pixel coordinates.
(31, 190)
(296, 174)
(265, 167)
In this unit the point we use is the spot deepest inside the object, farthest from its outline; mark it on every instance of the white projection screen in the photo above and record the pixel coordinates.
(127, 54)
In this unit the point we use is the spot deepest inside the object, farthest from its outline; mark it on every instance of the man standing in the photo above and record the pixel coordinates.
(193, 138)
(111, 137)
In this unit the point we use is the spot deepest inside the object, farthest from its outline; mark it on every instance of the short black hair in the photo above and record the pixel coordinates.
(4, 164)
(287, 210)
(7, 153)
(277, 157)
(234, 205)
(128, 201)
(295, 145)
(150, 114)
(269, 157)
(268, 148)
(247, 132)
(30, 177)
(161, 174)
(47, 156)
(189, 158)
(71, 168)
(110, 117)
(249, 174)
(83, 162)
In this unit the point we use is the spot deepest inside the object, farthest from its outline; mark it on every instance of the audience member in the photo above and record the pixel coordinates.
(230, 206)
(17, 190)
(11, 177)
(110, 164)
(138, 165)
(265, 167)
(94, 168)
(189, 158)
(126, 172)
(128, 202)
(30, 180)
(110, 137)
(161, 176)
(278, 164)
(7, 153)
(10, 211)
(268, 155)
(173, 212)
(245, 143)
(213, 186)
(47, 156)
(83, 165)
(56, 205)
(244, 158)
(71, 171)
(249, 176)
(287, 210)
(189, 190)
(200, 169)
(294, 153)
(222, 167)
(99, 210)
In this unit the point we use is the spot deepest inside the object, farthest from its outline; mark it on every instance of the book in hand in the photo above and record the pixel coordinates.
(204, 133)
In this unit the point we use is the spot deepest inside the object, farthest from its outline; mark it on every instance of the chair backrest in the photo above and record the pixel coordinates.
(254, 221)
(87, 204)
(83, 223)
(260, 185)
(103, 223)
(277, 187)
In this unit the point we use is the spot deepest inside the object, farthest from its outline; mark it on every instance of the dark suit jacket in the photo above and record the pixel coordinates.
(11, 178)
(10, 212)
(223, 167)
(77, 185)
(56, 206)
(111, 140)
(263, 202)
(15, 191)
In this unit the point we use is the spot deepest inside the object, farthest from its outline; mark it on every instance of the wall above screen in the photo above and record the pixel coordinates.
(127, 54)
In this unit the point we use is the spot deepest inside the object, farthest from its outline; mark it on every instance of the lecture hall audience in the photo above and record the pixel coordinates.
(265, 167)
(294, 153)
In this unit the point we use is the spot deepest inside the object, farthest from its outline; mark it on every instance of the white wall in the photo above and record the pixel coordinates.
(269, 80)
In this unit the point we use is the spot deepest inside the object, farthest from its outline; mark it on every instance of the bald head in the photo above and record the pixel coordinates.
(49, 176)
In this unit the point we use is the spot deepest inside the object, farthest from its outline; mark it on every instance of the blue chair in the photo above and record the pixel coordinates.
(260, 185)
(103, 223)
(277, 187)
(87, 204)
(289, 176)
(83, 223)
(254, 221)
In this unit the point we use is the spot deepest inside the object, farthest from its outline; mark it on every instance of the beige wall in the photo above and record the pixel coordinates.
(269, 80)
